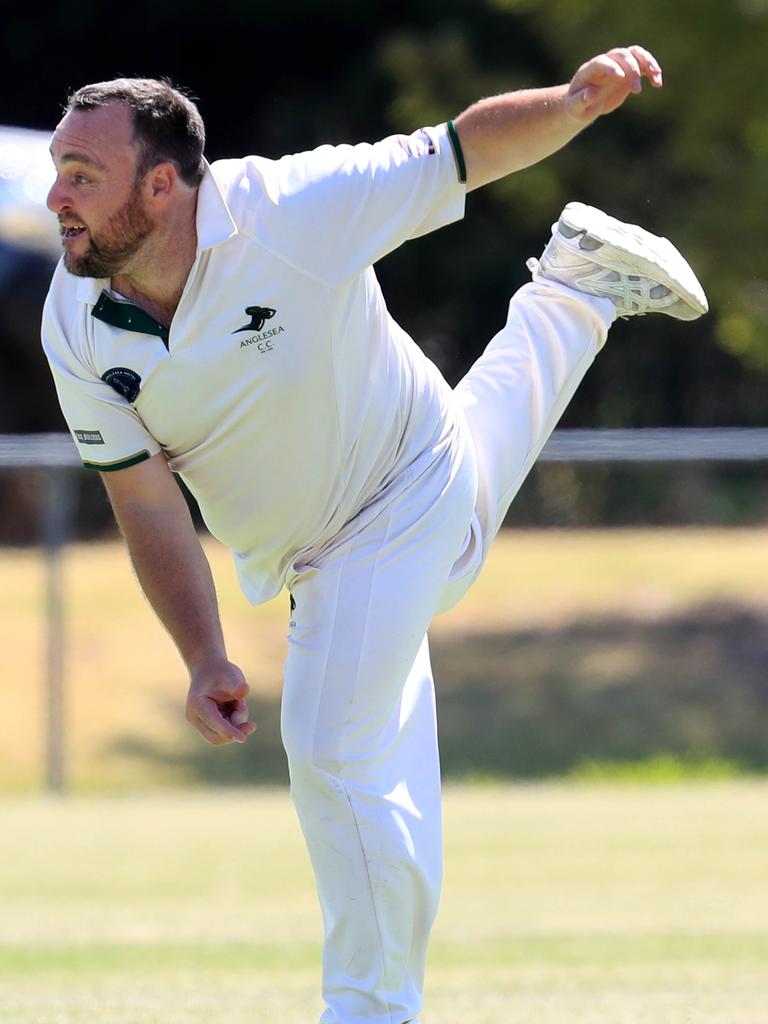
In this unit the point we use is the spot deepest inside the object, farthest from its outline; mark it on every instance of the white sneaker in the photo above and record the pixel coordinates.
(638, 271)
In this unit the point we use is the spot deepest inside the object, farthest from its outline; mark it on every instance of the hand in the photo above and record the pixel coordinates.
(216, 703)
(603, 83)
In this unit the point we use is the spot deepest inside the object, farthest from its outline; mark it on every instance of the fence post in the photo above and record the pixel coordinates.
(57, 528)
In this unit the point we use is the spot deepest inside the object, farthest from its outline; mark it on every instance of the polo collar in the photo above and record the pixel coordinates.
(90, 288)
(127, 317)
(214, 221)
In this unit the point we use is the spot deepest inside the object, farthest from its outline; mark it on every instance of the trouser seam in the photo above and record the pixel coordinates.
(370, 889)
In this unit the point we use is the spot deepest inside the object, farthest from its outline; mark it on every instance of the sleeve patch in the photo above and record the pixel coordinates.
(89, 436)
(126, 382)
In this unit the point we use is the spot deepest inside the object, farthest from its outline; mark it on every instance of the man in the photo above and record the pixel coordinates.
(225, 323)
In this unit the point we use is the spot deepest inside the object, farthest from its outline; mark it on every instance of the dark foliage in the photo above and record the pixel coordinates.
(690, 161)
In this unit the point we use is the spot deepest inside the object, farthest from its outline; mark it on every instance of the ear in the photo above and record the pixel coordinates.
(161, 181)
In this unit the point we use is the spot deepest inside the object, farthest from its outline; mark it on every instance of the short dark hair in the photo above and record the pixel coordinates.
(166, 123)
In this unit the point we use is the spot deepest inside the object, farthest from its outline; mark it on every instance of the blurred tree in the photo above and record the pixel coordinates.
(689, 161)
(703, 162)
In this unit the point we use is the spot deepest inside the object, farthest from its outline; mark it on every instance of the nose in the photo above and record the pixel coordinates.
(57, 200)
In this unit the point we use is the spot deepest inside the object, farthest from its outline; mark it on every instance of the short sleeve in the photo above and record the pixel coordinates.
(107, 430)
(336, 210)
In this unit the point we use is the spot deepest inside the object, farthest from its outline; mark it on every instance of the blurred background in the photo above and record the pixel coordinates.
(603, 693)
(623, 621)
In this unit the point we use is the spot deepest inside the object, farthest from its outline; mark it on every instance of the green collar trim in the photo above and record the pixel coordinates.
(128, 317)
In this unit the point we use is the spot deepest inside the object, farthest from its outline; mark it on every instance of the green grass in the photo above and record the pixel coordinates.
(563, 904)
(603, 899)
(659, 770)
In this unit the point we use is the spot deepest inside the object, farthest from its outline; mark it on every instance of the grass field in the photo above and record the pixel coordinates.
(563, 904)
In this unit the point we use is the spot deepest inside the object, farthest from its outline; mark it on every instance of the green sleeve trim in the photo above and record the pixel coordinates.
(110, 467)
(458, 152)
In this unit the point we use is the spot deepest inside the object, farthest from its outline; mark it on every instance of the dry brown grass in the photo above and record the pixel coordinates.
(125, 678)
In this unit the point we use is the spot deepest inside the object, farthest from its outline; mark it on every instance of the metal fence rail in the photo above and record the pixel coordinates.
(56, 457)
(725, 444)
(38, 451)
(719, 444)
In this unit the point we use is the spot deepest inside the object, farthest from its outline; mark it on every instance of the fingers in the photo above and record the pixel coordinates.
(239, 717)
(603, 83)
(636, 63)
(239, 713)
(207, 717)
(628, 65)
(216, 705)
(208, 734)
(649, 66)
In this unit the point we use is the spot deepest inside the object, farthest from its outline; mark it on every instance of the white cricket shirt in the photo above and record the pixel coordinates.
(284, 394)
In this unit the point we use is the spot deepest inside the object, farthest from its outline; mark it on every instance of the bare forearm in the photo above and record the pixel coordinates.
(506, 133)
(176, 579)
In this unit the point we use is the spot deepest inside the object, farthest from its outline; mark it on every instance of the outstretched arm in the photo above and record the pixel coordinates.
(176, 578)
(505, 133)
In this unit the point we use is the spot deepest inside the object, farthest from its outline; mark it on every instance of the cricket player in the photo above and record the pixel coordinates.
(224, 322)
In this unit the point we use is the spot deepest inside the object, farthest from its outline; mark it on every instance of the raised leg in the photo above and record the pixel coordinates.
(593, 269)
(513, 397)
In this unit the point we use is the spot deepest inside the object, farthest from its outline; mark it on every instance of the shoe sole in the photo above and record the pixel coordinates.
(638, 250)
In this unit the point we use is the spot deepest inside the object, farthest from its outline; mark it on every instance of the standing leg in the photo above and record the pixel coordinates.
(360, 733)
(593, 269)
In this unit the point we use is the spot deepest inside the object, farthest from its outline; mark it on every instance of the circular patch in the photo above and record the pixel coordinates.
(125, 382)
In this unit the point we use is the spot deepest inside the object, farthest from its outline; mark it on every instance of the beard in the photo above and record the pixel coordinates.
(120, 239)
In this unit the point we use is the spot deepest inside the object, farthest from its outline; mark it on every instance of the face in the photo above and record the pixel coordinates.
(102, 213)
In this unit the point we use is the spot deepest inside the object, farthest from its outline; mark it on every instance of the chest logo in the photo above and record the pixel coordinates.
(124, 381)
(259, 316)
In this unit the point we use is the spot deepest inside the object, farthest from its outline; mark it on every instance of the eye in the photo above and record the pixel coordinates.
(81, 179)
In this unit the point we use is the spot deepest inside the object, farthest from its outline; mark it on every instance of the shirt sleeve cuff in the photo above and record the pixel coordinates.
(458, 152)
(110, 467)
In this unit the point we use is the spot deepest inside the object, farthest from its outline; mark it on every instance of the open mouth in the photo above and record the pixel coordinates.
(72, 231)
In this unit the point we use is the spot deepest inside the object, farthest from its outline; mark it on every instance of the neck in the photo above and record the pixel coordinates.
(155, 279)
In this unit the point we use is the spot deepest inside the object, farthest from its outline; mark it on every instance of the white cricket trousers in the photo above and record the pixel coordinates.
(358, 716)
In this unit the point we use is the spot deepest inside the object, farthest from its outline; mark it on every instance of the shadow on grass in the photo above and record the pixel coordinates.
(191, 759)
(540, 702)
